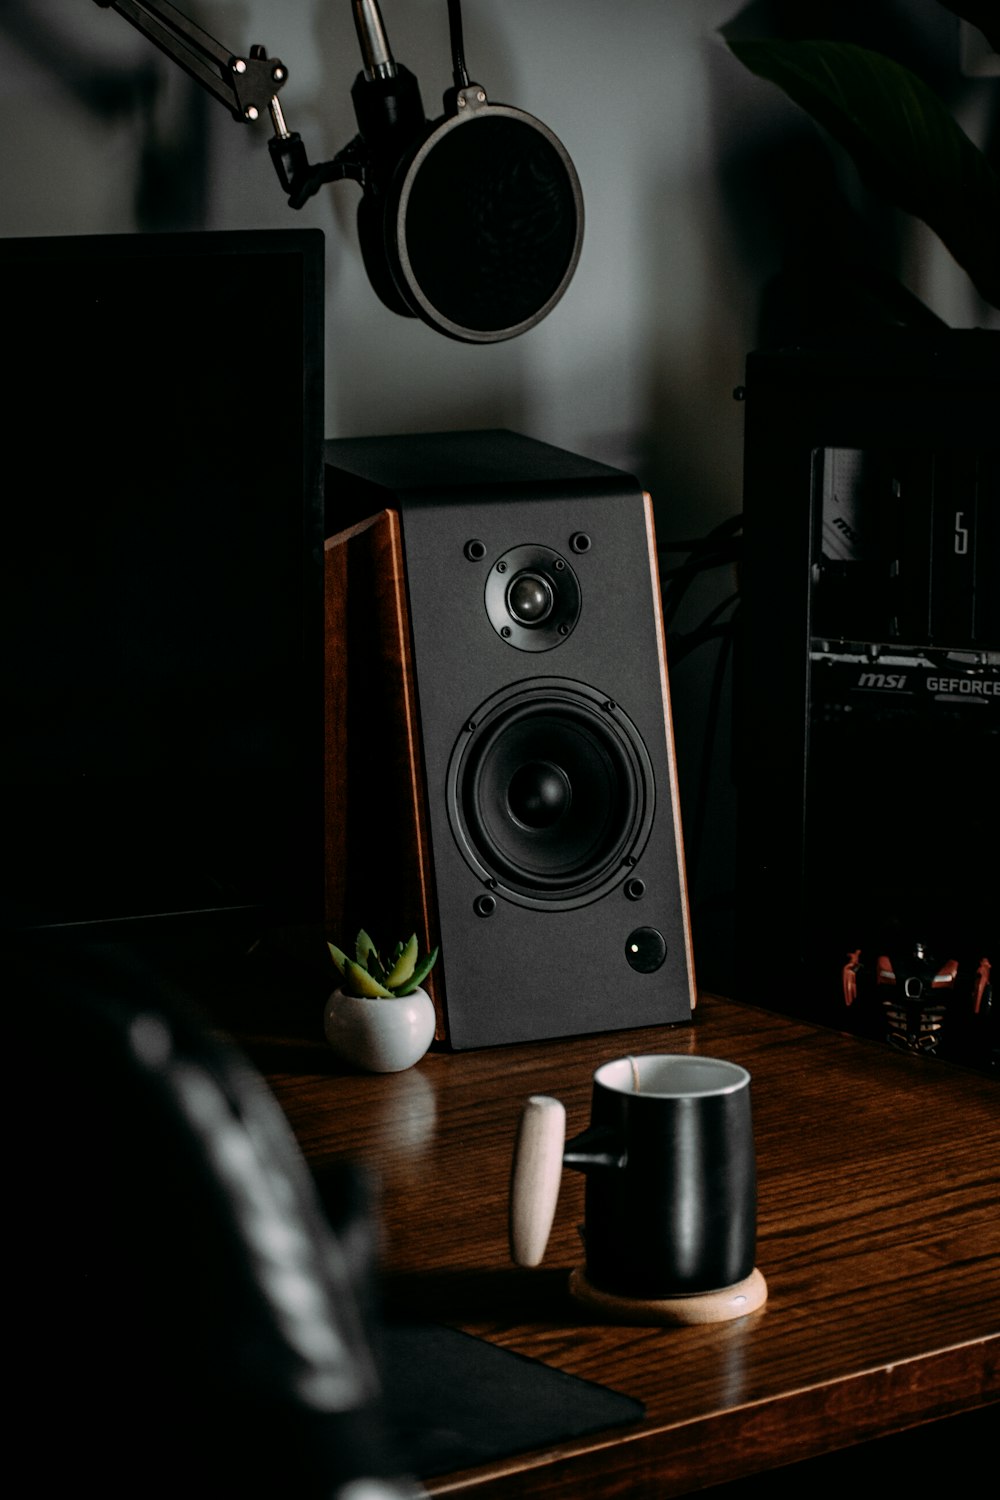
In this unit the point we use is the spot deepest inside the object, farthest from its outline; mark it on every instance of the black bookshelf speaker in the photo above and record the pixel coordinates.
(496, 601)
(868, 737)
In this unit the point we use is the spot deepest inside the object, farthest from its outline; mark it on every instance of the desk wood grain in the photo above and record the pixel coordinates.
(879, 1236)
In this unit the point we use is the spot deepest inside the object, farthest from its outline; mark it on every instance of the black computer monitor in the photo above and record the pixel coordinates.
(162, 579)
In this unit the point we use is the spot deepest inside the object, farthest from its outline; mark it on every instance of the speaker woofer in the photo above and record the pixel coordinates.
(551, 794)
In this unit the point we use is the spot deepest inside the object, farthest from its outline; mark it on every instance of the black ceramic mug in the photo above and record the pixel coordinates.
(671, 1178)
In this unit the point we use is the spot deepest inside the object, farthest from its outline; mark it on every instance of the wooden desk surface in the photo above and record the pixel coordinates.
(879, 1236)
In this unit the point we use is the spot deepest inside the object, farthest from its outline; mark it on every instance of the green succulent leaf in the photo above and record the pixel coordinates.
(366, 975)
(376, 968)
(339, 957)
(420, 973)
(405, 962)
(363, 948)
(904, 142)
(360, 982)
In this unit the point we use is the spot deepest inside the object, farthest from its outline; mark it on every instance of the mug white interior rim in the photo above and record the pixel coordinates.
(668, 1076)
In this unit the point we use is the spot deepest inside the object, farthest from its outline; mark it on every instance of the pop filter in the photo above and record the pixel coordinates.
(472, 222)
(484, 222)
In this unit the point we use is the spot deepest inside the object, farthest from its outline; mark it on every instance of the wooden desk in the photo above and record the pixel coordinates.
(879, 1236)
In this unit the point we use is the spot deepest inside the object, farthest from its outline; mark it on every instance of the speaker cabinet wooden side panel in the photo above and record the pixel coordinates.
(378, 869)
(668, 729)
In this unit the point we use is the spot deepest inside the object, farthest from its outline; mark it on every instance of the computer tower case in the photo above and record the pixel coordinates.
(867, 738)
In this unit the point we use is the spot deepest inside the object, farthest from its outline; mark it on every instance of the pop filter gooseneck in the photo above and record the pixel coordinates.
(472, 222)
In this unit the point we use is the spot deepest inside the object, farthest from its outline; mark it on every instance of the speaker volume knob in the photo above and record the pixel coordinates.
(645, 950)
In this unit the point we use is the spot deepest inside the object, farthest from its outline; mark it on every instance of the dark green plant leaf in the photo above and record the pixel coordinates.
(903, 141)
(420, 973)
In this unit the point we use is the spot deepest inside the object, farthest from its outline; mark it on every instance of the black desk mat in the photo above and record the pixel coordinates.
(455, 1401)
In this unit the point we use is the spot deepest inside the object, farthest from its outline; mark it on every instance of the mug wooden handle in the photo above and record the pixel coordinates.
(535, 1175)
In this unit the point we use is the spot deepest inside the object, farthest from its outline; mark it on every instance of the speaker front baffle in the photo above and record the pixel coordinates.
(500, 760)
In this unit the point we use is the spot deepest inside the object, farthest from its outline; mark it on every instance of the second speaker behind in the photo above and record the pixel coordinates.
(500, 761)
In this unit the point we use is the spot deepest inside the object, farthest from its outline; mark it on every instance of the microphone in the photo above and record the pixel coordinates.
(472, 222)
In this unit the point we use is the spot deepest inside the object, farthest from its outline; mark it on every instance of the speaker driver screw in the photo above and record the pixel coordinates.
(505, 632)
(501, 567)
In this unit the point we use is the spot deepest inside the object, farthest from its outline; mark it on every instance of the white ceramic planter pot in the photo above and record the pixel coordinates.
(380, 1036)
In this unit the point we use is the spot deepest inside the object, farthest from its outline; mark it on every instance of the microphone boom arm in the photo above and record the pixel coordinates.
(248, 87)
(245, 85)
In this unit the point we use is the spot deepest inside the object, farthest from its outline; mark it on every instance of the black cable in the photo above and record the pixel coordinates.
(458, 68)
(677, 583)
(732, 523)
(720, 545)
(680, 645)
(698, 561)
(701, 563)
(715, 698)
(714, 614)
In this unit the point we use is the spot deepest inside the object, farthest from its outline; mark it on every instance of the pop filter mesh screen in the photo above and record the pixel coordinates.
(492, 223)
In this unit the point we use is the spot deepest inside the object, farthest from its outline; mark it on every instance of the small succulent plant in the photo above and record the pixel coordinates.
(372, 977)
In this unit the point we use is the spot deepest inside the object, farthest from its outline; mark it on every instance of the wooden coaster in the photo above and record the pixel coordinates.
(702, 1307)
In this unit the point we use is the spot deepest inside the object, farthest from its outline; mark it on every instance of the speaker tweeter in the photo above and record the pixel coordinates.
(533, 598)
